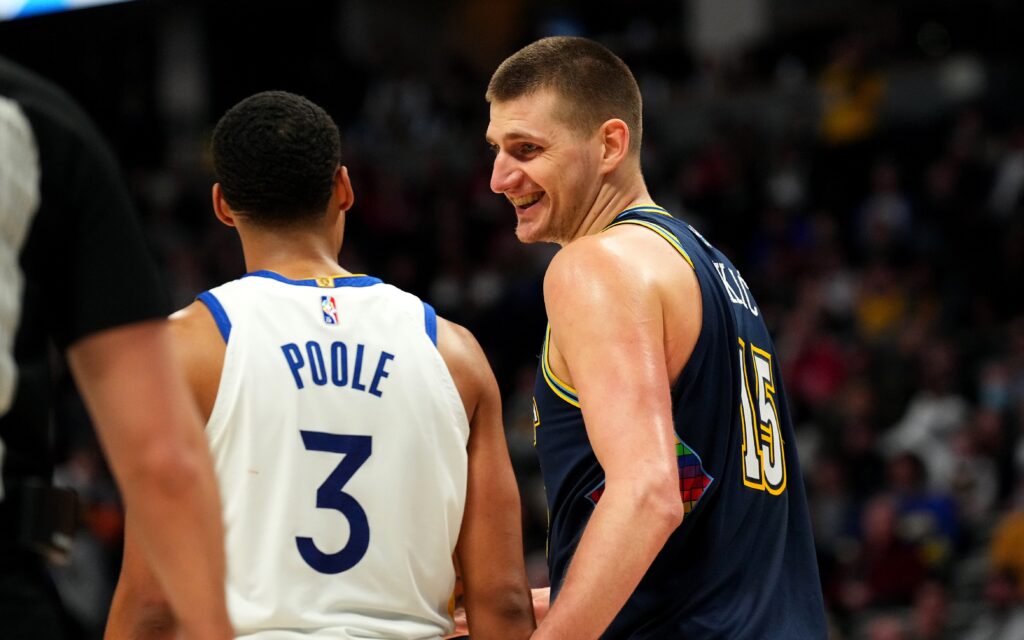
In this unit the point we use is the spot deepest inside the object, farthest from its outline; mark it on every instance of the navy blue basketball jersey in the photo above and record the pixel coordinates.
(742, 563)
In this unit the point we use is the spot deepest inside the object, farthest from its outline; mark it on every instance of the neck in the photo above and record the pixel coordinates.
(613, 197)
(295, 254)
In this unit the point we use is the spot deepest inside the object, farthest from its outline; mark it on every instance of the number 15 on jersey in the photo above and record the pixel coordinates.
(764, 460)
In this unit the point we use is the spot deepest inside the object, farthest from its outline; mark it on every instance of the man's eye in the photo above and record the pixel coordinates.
(493, 147)
(527, 148)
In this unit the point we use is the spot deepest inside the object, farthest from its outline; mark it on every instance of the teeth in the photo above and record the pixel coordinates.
(525, 201)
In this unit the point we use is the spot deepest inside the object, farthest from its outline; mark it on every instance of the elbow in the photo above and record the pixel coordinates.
(517, 612)
(504, 614)
(169, 468)
(662, 506)
(668, 512)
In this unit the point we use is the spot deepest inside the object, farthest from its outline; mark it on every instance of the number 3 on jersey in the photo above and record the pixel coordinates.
(356, 450)
(764, 460)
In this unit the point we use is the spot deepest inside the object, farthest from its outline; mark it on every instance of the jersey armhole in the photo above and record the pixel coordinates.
(430, 322)
(217, 311)
(666, 235)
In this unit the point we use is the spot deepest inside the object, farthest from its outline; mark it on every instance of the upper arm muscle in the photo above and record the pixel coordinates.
(199, 347)
(608, 328)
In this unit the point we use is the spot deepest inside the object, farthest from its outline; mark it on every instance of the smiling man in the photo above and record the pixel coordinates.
(667, 450)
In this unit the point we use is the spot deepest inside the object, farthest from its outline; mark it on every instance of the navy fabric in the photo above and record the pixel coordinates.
(742, 564)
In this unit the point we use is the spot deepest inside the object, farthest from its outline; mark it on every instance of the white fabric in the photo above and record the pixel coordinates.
(19, 201)
(412, 486)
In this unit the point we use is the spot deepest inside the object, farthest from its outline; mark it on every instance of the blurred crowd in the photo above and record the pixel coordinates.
(868, 180)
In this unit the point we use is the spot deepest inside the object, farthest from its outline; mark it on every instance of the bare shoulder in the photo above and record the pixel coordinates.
(603, 271)
(194, 331)
(454, 341)
(616, 285)
(466, 362)
(193, 319)
(199, 348)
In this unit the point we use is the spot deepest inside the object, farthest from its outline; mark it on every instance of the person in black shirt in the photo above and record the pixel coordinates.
(74, 271)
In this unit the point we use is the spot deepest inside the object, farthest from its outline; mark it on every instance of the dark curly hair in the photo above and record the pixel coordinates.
(275, 155)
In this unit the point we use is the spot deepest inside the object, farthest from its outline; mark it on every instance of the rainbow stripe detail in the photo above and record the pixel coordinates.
(693, 480)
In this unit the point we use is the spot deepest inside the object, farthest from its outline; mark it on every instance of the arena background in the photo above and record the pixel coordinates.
(862, 162)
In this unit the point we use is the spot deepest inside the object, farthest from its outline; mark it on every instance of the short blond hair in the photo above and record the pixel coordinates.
(593, 83)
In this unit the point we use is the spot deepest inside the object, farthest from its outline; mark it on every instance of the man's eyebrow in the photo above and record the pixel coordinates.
(515, 134)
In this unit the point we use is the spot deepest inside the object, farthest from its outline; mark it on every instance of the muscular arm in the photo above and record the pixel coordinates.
(490, 547)
(142, 608)
(152, 435)
(608, 331)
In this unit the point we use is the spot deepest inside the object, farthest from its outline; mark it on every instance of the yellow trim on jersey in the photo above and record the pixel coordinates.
(560, 388)
(327, 282)
(671, 239)
(648, 209)
(769, 392)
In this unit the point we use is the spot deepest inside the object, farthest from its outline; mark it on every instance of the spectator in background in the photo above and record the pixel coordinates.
(930, 617)
(1006, 553)
(1003, 618)
(885, 218)
(886, 570)
(933, 415)
(851, 93)
(886, 627)
(926, 518)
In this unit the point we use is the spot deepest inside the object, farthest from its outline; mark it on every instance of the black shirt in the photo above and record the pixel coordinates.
(83, 261)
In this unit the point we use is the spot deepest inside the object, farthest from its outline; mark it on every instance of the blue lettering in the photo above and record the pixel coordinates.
(316, 363)
(294, 358)
(334, 365)
(339, 364)
(358, 369)
(380, 373)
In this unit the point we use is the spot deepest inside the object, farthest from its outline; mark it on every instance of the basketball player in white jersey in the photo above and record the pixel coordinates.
(357, 438)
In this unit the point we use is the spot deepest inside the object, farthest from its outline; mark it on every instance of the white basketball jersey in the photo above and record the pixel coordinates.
(339, 441)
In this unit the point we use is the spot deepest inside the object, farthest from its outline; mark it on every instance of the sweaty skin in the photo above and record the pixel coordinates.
(621, 296)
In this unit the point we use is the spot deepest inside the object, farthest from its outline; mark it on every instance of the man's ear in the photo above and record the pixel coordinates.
(221, 208)
(614, 138)
(343, 189)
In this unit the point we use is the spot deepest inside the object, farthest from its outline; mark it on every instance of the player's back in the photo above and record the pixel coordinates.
(339, 440)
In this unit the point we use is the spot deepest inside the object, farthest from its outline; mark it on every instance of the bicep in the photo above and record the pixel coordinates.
(489, 552)
(134, 391)
(610, 332)
(492, 499)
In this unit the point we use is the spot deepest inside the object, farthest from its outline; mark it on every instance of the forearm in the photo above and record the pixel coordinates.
(620, 542)
(152, 435)
(175, 510)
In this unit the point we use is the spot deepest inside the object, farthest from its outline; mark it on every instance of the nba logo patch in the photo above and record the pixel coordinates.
(330, 310)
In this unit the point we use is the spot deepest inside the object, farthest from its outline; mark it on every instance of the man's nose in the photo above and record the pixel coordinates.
(504, 174)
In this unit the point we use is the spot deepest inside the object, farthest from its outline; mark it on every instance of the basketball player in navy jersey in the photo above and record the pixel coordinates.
(357, 437)
(667, 451)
